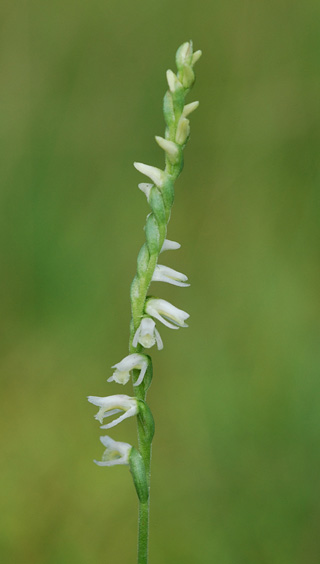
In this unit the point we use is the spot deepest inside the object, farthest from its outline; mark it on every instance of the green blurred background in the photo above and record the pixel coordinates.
(236, 396)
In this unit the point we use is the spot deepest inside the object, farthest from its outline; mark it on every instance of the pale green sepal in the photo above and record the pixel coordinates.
(168, 110)
(187, 76)
(173, 81)
(146, 418)
(157, 205)
(190, 108)
(196, 56)
(178, 102)
(152, 234)
(168, 193)
(135, 289)
(171, 149)
(148, 375)
(138, 471)
(143, 259)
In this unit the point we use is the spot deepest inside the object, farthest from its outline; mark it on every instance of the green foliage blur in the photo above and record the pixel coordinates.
(236, 396)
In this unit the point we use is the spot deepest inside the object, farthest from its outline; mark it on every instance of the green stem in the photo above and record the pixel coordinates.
(146, 266)
(143, 534)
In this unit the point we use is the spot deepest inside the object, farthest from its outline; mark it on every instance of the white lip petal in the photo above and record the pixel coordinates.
(145, 334)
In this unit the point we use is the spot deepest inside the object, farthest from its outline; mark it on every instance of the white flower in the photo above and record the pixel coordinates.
(146, 188)
(147, 335)
(156, 174)
(170, 245)
(115, 453)
(133, 361)
(166, 274)
(114, 404)
(164, 311)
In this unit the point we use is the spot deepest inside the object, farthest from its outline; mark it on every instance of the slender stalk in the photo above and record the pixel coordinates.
(160, 198)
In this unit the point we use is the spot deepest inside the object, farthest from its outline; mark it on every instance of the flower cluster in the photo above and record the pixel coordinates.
(148, 310)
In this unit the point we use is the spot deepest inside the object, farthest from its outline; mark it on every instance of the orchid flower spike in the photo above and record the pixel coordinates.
(147, 335)
(114, 404)
(115, 453)
(166, 313)
(133, 361)
(166, 274)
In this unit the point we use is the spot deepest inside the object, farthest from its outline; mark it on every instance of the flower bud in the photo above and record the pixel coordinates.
(169, 147)
(155, 174)
(173, 81)
(183, 130)
(170, 245)
(184, 55)
(188, 108)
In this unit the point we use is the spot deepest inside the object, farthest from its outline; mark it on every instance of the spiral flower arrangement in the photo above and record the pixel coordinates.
(146, 310)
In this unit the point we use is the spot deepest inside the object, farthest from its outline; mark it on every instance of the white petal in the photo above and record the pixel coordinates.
(156, 174)
(157, 315)
(135, 339)
(170, 245)
(130, 413)
(159, 340)
(129, 362)
(141, 375)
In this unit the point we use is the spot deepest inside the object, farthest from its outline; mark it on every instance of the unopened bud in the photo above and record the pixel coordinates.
(183, 131)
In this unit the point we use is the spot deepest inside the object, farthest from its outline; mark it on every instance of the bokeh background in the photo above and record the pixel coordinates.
(236, 396)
